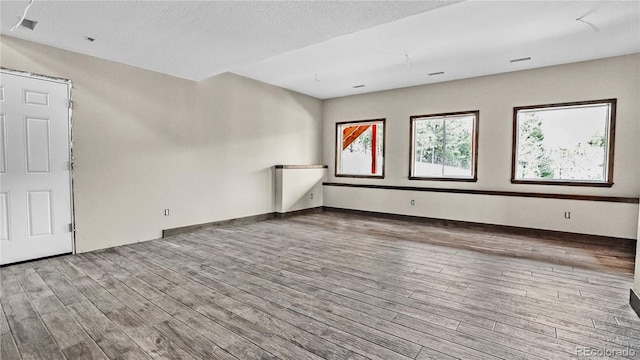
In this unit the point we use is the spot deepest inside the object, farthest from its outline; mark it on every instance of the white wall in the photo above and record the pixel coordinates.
(145, 141)
(618, 220)
(636, 282)
(299, 189)
(495, 96)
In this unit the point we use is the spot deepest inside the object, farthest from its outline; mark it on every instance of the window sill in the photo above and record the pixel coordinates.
(361, 176)
(443, 179)
(562, 183)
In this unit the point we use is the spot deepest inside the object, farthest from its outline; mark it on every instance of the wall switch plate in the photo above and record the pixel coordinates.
(413, 202)
(166, 212)
(567, 215)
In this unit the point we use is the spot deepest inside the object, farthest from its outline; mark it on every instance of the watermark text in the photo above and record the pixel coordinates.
(603, 352)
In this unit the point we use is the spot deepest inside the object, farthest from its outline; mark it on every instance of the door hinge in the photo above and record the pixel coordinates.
(72, 228)
(70, 103)
(70, 165)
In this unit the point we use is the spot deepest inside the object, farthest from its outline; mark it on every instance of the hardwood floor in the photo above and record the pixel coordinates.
(325, 286)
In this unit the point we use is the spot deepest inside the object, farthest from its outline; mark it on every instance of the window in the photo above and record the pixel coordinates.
(360, 148)
(444, 146)
(564, 144)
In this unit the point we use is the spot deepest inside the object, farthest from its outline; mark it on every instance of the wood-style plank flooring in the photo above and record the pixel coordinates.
(325, 286)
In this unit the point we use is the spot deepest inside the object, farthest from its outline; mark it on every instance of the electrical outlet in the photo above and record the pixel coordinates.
(567, 214)
(166, 212)
(413, 202)
(311, 196)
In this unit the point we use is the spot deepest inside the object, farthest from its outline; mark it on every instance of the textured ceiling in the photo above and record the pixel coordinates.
(197, 39)
(468, 39)
(324, 48)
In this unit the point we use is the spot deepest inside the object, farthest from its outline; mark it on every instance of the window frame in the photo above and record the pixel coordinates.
(474, 147)
(384, 148)
(609, 153)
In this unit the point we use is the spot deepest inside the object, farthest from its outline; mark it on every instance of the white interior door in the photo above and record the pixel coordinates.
(35, 172)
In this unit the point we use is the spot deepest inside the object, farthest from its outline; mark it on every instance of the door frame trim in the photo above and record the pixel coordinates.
(69, 84)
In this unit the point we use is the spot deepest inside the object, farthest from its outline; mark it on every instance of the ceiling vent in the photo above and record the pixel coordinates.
(29, 24)
(521, 59)
(23, 21)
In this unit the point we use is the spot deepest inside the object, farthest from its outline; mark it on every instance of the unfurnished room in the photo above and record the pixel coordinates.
(319, 180)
